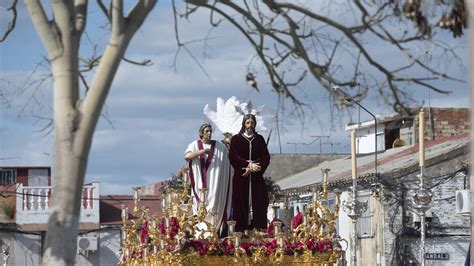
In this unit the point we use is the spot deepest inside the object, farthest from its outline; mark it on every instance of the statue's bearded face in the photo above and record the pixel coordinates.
(249, 125)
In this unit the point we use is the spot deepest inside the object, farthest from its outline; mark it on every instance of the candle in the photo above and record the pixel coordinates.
(169, 197)
(237, 239)
(163, 203)
(135, 194)
(167, 222)
(277, 225)
(280, 241)
(162, 244)
(124, 213)
(421, 137)
(315, 196)
(124, 234)
(231, 227)
(353, 155)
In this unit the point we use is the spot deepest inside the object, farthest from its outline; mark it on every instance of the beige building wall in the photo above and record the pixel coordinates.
(370, 247)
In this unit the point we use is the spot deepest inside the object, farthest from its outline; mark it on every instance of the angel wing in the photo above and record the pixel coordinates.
(228, 115)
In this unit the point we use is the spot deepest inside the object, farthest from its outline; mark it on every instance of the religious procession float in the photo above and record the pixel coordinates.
(195, 228)
(177, 237)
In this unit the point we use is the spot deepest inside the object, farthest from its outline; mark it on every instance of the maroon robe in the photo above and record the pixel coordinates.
(239, 153)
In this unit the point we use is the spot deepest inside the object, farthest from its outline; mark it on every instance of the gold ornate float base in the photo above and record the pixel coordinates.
(174, 237)
(326, 258)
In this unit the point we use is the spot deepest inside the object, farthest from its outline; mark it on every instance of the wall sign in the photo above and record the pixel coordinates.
(437, 256)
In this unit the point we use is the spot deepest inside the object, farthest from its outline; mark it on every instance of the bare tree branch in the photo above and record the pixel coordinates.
(284, 33)
(12, 22)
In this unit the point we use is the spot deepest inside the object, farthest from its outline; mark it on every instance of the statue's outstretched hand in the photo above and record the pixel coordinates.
(247, 171)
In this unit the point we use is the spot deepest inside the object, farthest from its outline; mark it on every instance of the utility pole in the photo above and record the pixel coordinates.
(320, 138)
(296, 144)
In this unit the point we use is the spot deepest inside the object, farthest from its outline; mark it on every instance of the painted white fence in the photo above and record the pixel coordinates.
(33, 204)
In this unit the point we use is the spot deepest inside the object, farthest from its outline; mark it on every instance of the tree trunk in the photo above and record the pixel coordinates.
(75, 119)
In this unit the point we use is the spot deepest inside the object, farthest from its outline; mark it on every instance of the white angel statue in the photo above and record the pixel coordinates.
(228, 116)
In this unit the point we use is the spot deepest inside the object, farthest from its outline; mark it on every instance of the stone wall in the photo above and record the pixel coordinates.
(448, 232)
(450, 121)
(445, 122)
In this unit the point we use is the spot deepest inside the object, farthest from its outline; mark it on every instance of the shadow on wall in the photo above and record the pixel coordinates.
(109, 246)
(24, 248)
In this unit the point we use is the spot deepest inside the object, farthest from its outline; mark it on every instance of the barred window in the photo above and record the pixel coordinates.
(7, 177)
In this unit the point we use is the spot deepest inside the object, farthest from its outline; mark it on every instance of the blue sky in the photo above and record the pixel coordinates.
(156, 111)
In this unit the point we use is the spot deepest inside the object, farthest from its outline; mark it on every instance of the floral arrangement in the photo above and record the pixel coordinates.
(226, 246)
(173, 182)
(174, 227)
(297, 220)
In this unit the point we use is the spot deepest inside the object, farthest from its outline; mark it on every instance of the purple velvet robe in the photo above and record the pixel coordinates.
(241, 148)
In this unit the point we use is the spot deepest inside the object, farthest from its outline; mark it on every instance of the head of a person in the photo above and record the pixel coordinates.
(205, 132)
(226, 140)
(248, 123)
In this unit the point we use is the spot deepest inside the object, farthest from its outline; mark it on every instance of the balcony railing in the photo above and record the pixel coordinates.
(33, 204)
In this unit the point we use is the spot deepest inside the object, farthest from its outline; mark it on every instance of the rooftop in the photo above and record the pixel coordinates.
(388, 162)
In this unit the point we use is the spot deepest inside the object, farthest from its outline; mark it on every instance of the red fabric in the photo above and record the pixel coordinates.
(271, 226)
(239, 157)
(144, 232)
(297, 220)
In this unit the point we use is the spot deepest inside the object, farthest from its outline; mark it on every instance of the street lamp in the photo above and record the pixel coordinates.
(349, 99)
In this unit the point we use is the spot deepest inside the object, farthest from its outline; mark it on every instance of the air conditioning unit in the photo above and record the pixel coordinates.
(463, 202)
(87, 243)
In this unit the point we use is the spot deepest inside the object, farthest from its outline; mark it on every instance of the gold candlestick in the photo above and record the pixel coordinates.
(136, 199)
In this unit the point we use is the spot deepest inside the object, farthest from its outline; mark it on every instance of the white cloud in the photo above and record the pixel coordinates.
(156, 111)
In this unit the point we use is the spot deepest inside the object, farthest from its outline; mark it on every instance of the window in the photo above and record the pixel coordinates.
(7, 177)
(364, 223)
(37, 177)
